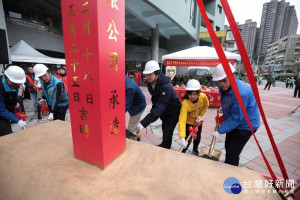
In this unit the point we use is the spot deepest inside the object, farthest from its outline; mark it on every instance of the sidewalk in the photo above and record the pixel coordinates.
(277, 103)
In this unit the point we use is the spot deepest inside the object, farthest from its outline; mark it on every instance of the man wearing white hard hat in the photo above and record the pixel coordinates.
(13, 77)
(54, 91)
(235, 125)
(165, 102)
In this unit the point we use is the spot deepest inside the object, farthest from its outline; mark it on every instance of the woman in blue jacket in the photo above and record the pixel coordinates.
(235, 125)
(165, 102)
(54, 91)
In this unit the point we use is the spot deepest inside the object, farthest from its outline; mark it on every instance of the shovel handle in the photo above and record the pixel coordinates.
(212, 145)
(213, 141)
(292, 191)
(187, 139)
(137, 132)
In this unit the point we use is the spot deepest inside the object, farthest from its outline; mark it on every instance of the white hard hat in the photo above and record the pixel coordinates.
(219, 73)
(193, 85)
(40, 70)
(15, 74)
(151, 66)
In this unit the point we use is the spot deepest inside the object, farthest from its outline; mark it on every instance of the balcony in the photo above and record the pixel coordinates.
(33, 24)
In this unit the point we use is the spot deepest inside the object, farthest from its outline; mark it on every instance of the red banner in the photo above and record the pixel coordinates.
(94, 40)
(194, 62)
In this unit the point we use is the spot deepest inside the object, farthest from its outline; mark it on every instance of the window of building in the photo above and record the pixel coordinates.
(219, 9)
(217, 28)
(193, 13)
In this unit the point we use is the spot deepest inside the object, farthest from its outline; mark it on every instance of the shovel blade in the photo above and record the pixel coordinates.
(215, 153)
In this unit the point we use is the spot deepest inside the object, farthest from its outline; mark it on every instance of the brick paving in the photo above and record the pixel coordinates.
(277, 103)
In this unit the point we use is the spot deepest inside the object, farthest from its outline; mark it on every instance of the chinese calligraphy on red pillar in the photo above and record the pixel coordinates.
(94, 40)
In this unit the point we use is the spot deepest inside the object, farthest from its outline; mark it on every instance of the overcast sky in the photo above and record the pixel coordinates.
(252, 9)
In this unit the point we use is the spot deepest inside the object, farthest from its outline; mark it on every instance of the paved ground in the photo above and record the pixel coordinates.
(277, 102)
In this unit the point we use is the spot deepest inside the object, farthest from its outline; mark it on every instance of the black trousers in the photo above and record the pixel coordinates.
(5, 127)
(297, 90)
(60, 113)
(168, 126)
(196, 142)
(268, 84)
(234, 144)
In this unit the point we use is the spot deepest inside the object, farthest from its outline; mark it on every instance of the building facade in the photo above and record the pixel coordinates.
(153, 27)
(248, 32)
(282, 54)
(278, 19)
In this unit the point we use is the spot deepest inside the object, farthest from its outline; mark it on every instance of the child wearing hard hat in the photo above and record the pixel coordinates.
(13, 77)
(54, 91)
(193, 107)
(235, 125)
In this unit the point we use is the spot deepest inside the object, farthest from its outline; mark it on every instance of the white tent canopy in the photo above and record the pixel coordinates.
(199, 68)
(199, 53)
(22, 52)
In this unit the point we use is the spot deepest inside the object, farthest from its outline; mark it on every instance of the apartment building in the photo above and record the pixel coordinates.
(282, 54)
(278, 19)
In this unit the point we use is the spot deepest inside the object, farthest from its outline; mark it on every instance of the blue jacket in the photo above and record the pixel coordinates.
(135, 99)
(8, 100)
(164, 99)
(55, 98)
(234, 117)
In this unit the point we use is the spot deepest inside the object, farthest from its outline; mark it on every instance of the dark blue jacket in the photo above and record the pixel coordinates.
(8, 100)
(135, 99)
(164, 99)
(234, 117)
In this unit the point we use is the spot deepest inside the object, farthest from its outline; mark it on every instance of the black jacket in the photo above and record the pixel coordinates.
(10, 98)
(297, 83)
(164, 99)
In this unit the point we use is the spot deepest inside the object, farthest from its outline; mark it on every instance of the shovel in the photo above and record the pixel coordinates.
(211, 153)
(188, 139)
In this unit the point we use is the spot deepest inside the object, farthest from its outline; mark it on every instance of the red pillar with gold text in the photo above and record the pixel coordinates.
(94, 39)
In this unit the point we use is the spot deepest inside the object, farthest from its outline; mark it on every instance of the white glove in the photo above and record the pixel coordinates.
(198, 119)
(217, 134)
(50, 117)
(22, 123)
(140, 126)
(220, 110)
(183, 142)
(42, 100)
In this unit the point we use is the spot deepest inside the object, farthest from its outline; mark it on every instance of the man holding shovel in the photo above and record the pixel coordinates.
(235, 125)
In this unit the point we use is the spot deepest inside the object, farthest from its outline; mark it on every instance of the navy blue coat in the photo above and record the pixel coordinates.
(164, 99)
(135, 99)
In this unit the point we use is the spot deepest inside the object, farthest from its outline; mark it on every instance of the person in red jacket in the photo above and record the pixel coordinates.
(31, 87)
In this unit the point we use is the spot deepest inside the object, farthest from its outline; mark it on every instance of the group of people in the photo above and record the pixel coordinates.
(190, 112)
(39, 80)
(165, 105)
(137, 76)
(289, 82)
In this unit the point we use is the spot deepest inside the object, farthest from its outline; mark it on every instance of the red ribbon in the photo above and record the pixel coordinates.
(44, 107)
(20, 115)
(252, 81)
(219, 120)
(229, 74)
